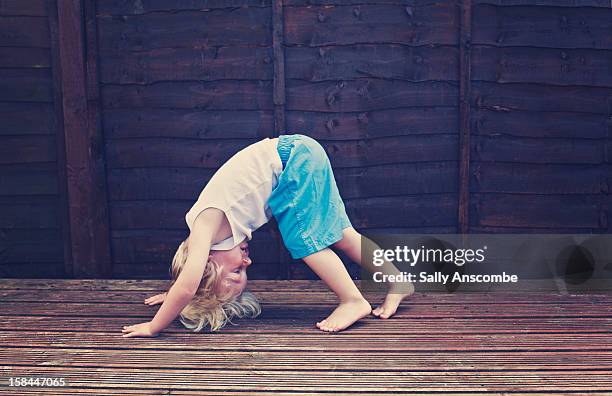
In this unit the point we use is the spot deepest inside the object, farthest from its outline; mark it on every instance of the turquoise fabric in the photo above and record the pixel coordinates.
(306, 202)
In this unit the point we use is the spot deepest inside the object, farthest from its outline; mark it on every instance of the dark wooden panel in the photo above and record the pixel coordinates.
(159, 245)
(47, 270)
(477, 229)
(553, 27)
(134, 52)
(58, 126)
(543, 65)
(23, 7)
(25, 212)
(403, 211)
(125, 123)
(409, 211)
(27, 149)
(279, 93)
(238, 26)
(378, 180)
(29, 179)
(333, 3)
(24, 31)
(26, 85)
(556, 3)
(213, 95)
(367, 95)
(160, 270)
(534, 150)
(376, 61)
(432, 23)
(465, 112)
(542, 124)
(539, 178)
(122, 7)
(373, 123)
(449, 229)
(392, 150)
(147, 246)
(359, 95)
(543, 211)
(30, 246)
(27, 118)
(397, 179)
(541, 98)
(158, 152)
(24, 57)
(157, 270)
(149, 214)
(157, 183)
(209, 63)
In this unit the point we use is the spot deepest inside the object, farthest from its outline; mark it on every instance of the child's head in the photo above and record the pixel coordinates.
(220, 295)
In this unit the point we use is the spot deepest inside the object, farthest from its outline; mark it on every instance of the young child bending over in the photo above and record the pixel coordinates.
(290, 178)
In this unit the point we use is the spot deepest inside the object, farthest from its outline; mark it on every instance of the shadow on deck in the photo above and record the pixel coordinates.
(489, 343)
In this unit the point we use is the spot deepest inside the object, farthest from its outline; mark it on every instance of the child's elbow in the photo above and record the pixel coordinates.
(186, 289)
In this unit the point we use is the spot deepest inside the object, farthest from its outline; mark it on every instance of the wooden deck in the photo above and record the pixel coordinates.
(497, 343)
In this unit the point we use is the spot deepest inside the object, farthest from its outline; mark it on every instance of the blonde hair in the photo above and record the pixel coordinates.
(208, 307)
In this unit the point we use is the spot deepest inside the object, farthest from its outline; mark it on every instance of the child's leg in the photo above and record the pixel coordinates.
(328, 266)
(350, 244)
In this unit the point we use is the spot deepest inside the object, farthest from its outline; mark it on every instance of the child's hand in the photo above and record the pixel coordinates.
(157, 299)
(139, 330)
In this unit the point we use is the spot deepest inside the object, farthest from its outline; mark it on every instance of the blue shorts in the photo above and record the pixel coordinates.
(306, 203)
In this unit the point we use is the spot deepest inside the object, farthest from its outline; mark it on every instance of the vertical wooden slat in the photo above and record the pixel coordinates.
(279, 67)
(59, 129)
(87, 200)
(465, 40)
(104, 268)
(279, 107)
(606, 188)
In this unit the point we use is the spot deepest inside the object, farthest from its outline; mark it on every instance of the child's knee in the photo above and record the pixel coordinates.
(350, 239)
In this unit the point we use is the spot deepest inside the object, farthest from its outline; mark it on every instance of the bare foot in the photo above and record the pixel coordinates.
(345, 315)
(392, 301)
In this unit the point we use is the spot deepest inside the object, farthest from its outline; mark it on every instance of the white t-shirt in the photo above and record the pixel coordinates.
(241, 188)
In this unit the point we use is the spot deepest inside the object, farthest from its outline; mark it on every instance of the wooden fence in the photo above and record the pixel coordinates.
(438, 116)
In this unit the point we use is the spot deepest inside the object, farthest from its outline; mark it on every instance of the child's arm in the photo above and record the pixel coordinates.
(187, 283)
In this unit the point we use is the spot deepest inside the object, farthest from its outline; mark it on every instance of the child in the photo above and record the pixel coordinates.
(290, 178)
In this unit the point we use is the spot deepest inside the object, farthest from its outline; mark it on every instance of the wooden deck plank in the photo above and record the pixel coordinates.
(316, 341)
(308, 297)
(304, 325)
(314, 360)
(602, 286)
(363, 381)
(139, 310)
(123, 391)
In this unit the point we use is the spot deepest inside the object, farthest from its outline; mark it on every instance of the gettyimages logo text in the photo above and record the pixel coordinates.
(404, 254)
